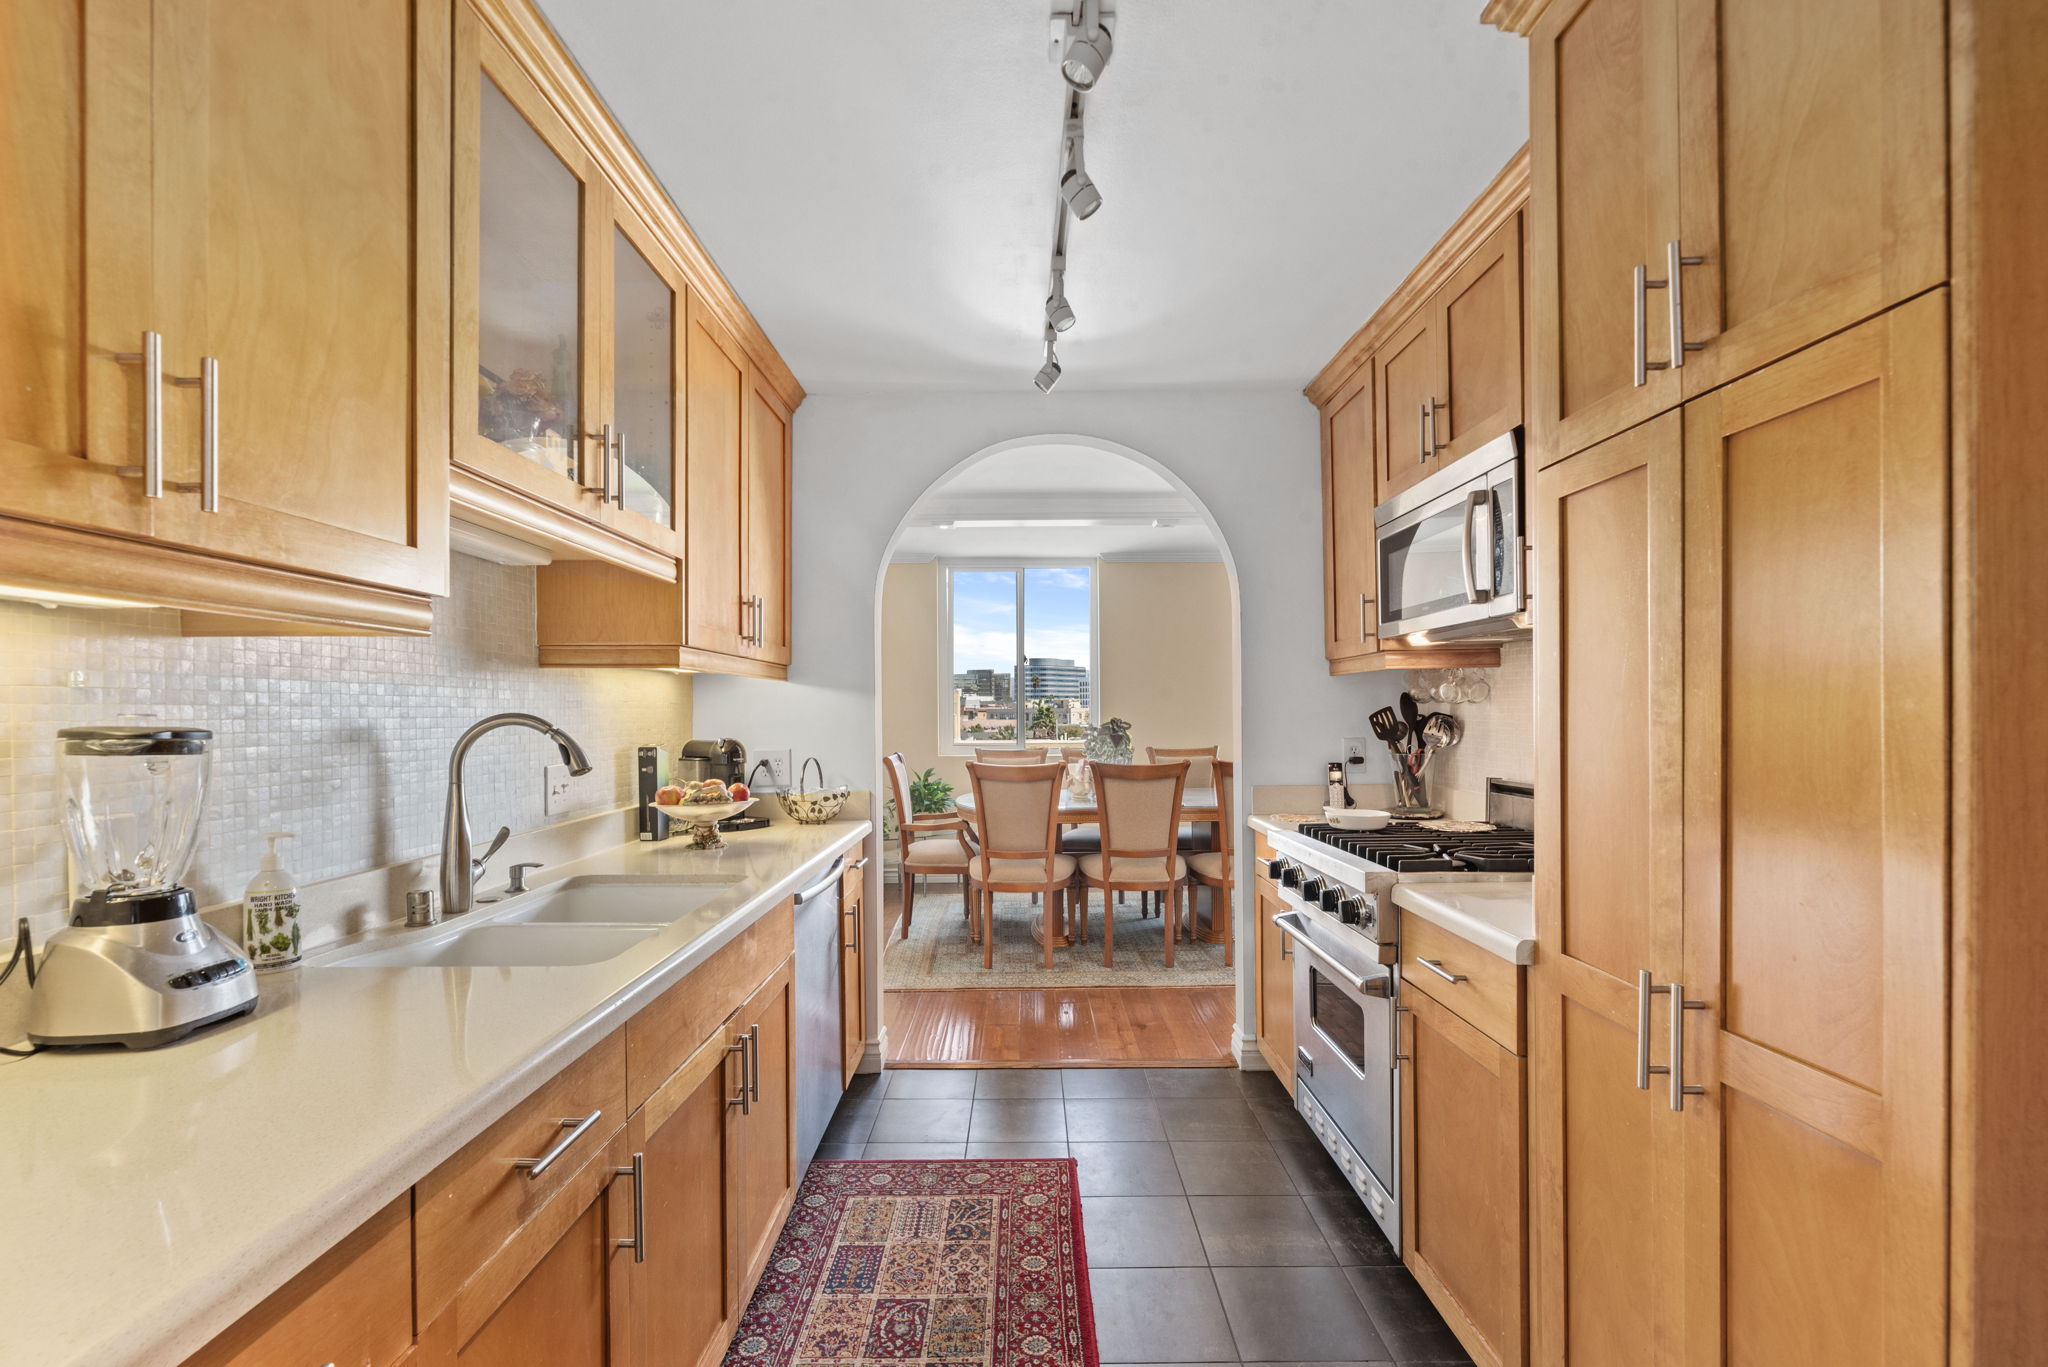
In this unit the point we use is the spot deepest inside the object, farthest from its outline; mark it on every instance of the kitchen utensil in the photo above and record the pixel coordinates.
(1440, 729)
(136, 966)
(1386, 726)
(1357, 818)
(1412, 715)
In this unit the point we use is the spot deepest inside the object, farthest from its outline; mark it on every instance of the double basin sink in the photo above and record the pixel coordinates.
(577, 921)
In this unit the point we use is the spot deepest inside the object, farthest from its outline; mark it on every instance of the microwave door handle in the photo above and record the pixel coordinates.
(1478, 500)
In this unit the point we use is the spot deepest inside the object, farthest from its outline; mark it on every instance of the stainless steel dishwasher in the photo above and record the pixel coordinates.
(816, 1046)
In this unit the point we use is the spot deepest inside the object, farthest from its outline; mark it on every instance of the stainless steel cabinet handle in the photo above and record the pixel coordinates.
(1645, 989)
(1422, 435)
(743, 1101)
(1364, 620)
(1399, 1057)
(616, 476)
(151, 359)
(1644, 365)
(209, 434)
(760, 621)
(1679, 1006)
(637, 1170)
(1674, 297)
(1430, 410)
(754, 1062)
(576, 1128)
(1436, 966)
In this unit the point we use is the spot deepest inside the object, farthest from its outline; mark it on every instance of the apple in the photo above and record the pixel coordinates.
(739, 792)
(668, 796)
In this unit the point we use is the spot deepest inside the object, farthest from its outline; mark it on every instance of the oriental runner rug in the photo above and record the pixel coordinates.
(977, 1262)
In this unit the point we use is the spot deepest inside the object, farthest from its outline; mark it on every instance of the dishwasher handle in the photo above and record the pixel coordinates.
(825, 884)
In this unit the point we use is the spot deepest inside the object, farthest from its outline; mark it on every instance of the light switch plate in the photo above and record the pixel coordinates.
(559, 787)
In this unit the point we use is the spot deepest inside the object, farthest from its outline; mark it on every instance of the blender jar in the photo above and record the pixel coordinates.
(132, 799)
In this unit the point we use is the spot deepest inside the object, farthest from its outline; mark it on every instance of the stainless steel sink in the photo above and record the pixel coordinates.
(490, 944)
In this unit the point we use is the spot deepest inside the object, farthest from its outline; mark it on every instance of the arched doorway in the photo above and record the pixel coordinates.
(1036, 589)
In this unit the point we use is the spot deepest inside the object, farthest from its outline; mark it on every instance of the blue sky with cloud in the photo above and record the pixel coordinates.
(985, 616)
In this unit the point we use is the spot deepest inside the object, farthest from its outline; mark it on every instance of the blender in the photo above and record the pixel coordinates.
(135, 966)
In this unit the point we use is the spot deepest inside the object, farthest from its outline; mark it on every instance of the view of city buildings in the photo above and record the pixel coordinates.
(1020, 633)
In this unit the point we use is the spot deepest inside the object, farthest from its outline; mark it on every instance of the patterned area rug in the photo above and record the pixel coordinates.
(939, 955)
(975, 1262)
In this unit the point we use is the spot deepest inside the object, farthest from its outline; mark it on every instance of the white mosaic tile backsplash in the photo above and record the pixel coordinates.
(1499, 739)
(343, 740)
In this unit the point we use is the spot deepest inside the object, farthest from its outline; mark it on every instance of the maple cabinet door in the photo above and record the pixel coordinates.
(1603, 166)
(1814, 171)
(301, 163)
(1816, 853)
(1479, 311)
(1275, 987)
(719, 618)
(1408, 380)
(1603, 1146)
(762, 1142)
(1350, 607)
(767, 521)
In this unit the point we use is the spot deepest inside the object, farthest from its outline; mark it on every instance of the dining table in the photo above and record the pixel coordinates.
(1198, 807)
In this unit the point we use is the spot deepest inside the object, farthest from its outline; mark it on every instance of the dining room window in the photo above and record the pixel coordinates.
(1018, 667)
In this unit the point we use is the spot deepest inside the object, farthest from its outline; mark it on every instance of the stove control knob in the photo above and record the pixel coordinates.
(1348, 910)
(1275, 867)
(1333, 898)
(1311, 889)
(1290, 875)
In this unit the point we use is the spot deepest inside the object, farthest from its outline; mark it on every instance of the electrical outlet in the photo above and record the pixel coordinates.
(778, 762)
(1357, 754)
(559, 787)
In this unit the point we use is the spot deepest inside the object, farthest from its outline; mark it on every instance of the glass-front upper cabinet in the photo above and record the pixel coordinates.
(641, 382)
(567, 329)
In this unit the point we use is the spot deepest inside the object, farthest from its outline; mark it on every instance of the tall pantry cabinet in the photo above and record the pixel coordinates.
(1739, 358)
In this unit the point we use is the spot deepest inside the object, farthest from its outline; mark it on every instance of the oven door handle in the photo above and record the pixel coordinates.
(1290, 921)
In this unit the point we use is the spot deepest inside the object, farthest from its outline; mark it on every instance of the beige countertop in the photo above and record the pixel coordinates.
(1498, 917)
(152, 1198)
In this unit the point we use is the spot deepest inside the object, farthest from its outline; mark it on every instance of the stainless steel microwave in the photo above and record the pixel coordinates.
(1450, 550)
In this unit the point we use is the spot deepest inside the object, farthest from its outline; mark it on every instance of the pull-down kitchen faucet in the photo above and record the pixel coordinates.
(459, 870)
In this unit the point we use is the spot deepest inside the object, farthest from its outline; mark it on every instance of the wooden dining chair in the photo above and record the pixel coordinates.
(1217, 870)
(1027, 755)
(926, 858)
(1017, 818)
(1190, 838)
(1140, 807)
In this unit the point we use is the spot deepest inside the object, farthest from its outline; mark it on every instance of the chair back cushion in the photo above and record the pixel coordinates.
(1024, 756)
(1201, 761)
(1016, 812)
(1140, 805)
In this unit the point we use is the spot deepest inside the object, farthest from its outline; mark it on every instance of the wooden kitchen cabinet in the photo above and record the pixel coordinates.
(1462, 1178)
(719, 616)
(1434, 374)
(1788, 162)
(853, 931)
(1350, 571)
(179, 231)
(1604, 1150)
(1815, 1169)
(766, 553)
(1273, 987)
(761, 1136)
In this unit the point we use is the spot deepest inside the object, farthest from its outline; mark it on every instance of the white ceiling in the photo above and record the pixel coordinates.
(1053, 481)
(876, 179)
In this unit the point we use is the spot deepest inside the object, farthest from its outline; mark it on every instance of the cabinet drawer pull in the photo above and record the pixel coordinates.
(576, 1128)
(637, 1170)
(151, 359)
(1436, 966)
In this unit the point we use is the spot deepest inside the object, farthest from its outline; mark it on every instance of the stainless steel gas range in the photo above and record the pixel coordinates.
(1347, 990)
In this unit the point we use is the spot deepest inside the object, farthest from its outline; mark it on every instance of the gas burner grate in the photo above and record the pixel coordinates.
(1406, 847)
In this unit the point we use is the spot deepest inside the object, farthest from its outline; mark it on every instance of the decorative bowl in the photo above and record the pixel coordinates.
(1357, 818)
(703, 819)
(816, 807)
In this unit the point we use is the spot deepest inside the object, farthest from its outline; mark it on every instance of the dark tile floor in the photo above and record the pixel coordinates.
(1218, 1230)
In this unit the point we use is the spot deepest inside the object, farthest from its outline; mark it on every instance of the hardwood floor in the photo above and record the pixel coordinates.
(1024, 1027)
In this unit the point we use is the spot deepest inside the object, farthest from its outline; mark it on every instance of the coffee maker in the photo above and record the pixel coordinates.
(135, 966)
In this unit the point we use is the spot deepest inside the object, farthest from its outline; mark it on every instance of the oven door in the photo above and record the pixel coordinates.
(1449, 550)
(1343, 1042)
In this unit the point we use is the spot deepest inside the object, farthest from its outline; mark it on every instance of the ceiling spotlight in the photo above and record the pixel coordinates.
(1082, 198)
(1058, 311)
(1087, 48)
(1048, 374)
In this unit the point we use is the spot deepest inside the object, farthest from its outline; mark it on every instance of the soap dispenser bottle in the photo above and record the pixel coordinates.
(270, 912)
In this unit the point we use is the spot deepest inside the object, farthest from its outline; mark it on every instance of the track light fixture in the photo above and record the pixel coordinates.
(1076, 188)
(1048, 374)
(1058, 311)
(1086, 47)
